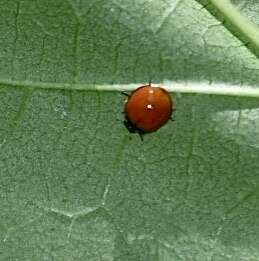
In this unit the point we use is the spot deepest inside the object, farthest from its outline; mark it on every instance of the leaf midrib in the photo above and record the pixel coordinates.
(248, 33)
(170, 86)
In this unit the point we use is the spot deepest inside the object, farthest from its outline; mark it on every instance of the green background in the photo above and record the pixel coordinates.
(75, 185)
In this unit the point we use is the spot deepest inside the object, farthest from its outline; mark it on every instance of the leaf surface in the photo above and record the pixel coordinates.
(75, 185)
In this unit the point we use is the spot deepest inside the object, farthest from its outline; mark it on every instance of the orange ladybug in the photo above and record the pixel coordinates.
(147, 109)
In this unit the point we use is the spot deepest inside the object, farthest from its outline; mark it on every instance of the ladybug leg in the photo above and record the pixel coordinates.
(172, 118)
(125, 94)
(133, 129)
(129, 126)
(141, 136)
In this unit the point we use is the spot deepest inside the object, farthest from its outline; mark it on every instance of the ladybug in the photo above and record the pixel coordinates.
(147, 109)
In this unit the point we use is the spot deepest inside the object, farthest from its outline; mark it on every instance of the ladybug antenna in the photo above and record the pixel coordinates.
(125, 93)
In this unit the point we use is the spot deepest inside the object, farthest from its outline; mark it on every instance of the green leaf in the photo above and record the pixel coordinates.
(75, 185)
